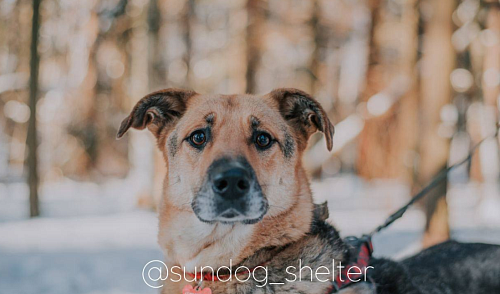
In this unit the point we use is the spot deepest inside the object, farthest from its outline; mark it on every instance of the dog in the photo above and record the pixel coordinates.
(236, 194)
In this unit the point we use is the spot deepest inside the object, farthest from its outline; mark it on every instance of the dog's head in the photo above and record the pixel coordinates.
(231, 158)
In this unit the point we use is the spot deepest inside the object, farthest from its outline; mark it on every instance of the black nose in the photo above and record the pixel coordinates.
(232, 183)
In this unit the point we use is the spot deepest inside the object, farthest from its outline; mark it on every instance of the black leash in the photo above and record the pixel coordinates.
(440, 176)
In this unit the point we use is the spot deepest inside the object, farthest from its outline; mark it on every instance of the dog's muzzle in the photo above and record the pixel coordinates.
(230, 193)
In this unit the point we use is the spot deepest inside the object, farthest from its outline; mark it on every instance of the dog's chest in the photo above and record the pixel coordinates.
(204, 245)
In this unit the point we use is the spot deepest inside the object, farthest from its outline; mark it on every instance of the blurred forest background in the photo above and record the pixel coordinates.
(410, 85)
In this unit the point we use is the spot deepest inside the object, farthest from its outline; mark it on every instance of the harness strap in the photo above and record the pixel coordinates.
(363, 249)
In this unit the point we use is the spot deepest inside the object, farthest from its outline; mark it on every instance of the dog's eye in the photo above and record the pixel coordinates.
(263, 140)
(198, 138)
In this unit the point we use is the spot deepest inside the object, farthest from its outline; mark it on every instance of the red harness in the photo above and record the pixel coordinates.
(362, 261)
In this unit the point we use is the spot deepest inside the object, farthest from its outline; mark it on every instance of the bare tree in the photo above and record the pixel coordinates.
(255, 19)
(391, 131)
(31, 140)
(438, 62)
(187, 21)
(320, 40)
(157, 71)
(156, 78)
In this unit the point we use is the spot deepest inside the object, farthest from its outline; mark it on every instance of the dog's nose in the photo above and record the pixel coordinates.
(232, 183)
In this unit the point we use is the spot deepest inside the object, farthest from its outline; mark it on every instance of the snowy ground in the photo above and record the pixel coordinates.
(92, 239)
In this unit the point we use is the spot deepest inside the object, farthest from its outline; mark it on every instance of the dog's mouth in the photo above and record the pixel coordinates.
(211, 210)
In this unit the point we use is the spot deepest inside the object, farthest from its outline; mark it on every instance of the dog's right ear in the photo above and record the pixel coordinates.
(156, 111)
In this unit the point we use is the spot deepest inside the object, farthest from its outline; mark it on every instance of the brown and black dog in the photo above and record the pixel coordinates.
(236, 192)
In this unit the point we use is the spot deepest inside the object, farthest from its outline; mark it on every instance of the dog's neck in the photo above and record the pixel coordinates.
(200, 244)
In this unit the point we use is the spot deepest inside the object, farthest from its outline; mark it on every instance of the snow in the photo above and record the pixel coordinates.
(89, 254)
(92, 239)
(136, 229)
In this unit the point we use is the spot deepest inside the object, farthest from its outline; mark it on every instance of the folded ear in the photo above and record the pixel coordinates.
(156, 110)
(303, 113)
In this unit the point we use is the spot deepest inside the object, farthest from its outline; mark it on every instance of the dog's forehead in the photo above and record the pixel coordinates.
(235, 107)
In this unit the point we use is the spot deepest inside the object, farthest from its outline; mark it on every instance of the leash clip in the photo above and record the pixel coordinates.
(356, 244)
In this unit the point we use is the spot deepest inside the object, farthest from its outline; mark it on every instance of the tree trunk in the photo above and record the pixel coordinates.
(389, 137)
(319, 43)
(438, 62)
(187, 17)
(32, 141)
(157, 72)
(253, 36)
(157, 79)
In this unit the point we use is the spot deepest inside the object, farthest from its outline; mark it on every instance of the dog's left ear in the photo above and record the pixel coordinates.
(304, 113)
(156, 111)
